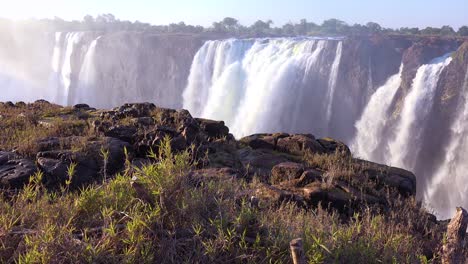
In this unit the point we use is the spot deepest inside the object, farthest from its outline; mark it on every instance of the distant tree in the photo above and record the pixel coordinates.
(447, 31)
(334, 26)
(288, 29)
(88, 19)
(463, 31)
(431, 31)
(105, 18)
(358, 29)
(230, 22)
(218, 27)
(409, 31)
(304, 27)
(373, 27)
(261, 27)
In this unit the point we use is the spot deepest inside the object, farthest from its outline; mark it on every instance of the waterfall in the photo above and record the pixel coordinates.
(448, 187)
(371, 125)
(61, 77)
(215, 66)
(254, 85)
(332, 82)
(85, 93)
(404, 148)
(55, 79)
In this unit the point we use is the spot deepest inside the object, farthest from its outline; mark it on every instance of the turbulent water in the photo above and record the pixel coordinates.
(264, 85)
(62, 67)
(448, 187)
(87, 78)
(415, 113)
(399, 144)
(371, 126)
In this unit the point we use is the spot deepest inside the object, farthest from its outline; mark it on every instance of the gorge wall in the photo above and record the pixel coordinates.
(397, 100)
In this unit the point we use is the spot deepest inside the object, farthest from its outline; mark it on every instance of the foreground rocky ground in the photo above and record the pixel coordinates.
(142, 183)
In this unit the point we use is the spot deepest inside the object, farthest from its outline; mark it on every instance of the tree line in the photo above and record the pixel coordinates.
(231, 26)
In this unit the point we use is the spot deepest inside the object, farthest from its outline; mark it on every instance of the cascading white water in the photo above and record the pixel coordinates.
(448, 187)
(332, 82)
(404, 148)
(371, 125)
(252, 84)
(71, 41)
(87, 78)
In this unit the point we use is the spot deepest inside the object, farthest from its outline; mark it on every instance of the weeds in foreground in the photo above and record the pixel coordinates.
(194, 223)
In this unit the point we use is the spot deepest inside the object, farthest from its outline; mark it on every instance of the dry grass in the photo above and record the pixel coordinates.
(195, 223)
(22, 126)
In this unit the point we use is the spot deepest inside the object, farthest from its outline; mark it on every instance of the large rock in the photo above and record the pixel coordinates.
(15, 172)
(286, 171)
(332, 146)
(299, 144)
(134, 110)
(260, 161)
(265, 141)
(403, 181)
(214, 129)
(90, 162)
(124, 133)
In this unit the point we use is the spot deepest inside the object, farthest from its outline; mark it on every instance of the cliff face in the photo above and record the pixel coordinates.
(442, 128)
(367, 63)
(138, 67)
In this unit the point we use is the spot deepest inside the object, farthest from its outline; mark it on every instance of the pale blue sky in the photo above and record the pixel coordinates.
(389, 13)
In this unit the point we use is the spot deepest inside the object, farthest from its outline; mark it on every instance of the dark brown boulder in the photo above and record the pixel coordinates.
(332, 146)
(134, 110)
(286, 171)
(91, 163)
(15, 173)
(213, 129)
(403, 181)
(265, 141)
(315, 194)
(299, 144)
(309, 176)
(124, 133)
(260, 161)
